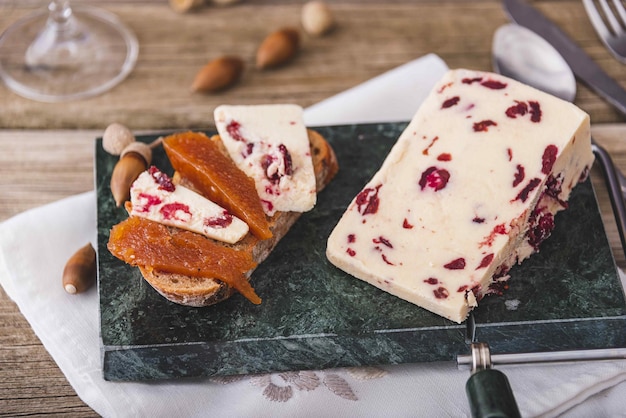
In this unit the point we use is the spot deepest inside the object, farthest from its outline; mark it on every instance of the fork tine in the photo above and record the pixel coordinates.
(614, 37)
(621, 11)
(610, 17)
(596, 19)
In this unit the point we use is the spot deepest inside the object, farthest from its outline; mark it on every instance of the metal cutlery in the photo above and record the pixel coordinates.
(582, 65)
(610, 24)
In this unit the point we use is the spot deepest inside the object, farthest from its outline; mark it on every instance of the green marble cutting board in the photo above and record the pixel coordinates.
(314, 316)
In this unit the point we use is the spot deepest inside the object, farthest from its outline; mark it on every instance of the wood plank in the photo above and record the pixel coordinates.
(156, 95)
(38, 167)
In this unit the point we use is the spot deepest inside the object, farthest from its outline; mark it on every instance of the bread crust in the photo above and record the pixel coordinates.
(205, 291)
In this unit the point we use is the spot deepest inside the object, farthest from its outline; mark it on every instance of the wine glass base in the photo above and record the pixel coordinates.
(101, 59)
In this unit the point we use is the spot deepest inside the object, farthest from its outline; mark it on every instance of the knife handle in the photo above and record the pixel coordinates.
(490, 395)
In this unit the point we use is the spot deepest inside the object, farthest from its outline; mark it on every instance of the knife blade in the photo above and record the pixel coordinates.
(582, 65)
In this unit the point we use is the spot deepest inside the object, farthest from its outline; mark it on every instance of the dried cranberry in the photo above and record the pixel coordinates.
(170, 211)
(234, 130)
(406, 224)
(162, 179)
(450, 102)
(519, 109)
(431, 280)
(485, 261)
(384, 257)
(441, 293)
(456, 264)
(554, 188)
(468, 80)
(509, 152)
(269, 205)
(444, 157)
(272, 170)
(548, 158)
(497, 230)
(523, 194)
(519, 176)
(493, 84)
(266, 161)
(222, 221)
(248, 151)
(351, 252)
(478, 220)
(502, 271)
(286, 159)
(367, 200)
(425, 151)
(483, 126)
(541, 228)
(435, 178)
(382, 240)
(535, 111)
(351, 238)
(148, 200)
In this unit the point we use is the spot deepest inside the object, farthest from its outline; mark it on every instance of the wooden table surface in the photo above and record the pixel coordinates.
(46, 149)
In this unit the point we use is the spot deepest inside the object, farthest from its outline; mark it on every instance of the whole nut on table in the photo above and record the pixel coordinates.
(317, 18)
(185, 6)
(218, 74)
(79, 273)
(278, 48)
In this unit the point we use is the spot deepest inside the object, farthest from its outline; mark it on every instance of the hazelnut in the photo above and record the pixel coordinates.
(116, 137)
(317, 18)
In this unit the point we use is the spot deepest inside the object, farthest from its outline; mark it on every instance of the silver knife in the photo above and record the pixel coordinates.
(582, 65)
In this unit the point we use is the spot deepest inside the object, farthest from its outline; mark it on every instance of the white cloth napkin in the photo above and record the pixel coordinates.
(34, 246)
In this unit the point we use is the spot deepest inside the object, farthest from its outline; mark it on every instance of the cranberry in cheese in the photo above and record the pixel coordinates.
(153, 196)
(470, 188)
(270, 144)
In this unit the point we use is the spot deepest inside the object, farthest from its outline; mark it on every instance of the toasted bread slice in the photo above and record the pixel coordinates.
(205, 291)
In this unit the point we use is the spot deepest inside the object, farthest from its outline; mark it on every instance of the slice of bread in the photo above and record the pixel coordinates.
(205, 291)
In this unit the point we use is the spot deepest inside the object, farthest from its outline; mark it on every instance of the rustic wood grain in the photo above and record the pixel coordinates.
(371, 37)
(46, 149)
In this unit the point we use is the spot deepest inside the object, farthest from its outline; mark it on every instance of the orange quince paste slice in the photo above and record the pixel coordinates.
(142, 242)
(214, 175)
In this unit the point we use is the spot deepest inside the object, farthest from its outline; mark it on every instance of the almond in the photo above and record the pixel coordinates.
(278, 48)
(218, 74)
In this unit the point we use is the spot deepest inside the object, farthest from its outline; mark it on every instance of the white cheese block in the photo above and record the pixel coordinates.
(469, 189)
(155, 197)
(271, 145)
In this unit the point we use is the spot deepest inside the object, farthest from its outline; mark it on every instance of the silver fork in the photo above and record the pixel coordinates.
(612, 34)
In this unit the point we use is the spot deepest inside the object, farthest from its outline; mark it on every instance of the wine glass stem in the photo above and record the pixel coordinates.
(61, 43)
(60, 11)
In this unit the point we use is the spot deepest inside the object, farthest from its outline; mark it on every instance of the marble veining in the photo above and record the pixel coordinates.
(314, 316)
